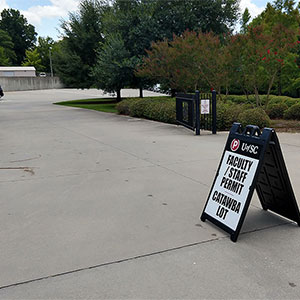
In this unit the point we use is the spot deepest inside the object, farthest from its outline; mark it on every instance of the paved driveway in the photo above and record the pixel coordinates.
(96, 205)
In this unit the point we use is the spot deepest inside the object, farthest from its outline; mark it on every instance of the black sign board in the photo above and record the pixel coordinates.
(251, 159)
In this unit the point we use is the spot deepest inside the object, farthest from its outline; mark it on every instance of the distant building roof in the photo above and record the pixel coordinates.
(17, 68)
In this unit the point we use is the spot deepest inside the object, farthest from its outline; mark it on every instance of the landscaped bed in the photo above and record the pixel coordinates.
(284, 111)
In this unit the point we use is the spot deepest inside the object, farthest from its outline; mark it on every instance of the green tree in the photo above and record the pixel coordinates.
(69, 67)
(170, 66)
(82, 34)
(7, 46)
(132, 20)
(114, 66)
(44, 47)
(281, 13)
(138, 22)
(290, 78)
(142, 22)
(4, 60)
(33, 59)
(260, 56)
(188, 62)
(213, 61)
(245, 20)
(23, 35)
(176, 16)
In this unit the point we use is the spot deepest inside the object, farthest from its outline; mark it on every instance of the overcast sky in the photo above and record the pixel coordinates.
(45, 15)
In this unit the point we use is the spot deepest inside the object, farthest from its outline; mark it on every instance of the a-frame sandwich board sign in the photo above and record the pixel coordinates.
(251, 159)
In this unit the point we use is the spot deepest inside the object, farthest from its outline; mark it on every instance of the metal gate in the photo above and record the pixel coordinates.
(197, 111)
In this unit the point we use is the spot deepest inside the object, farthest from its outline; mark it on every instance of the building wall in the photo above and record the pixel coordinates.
(29, 83)
(17, 73)
(25, 73)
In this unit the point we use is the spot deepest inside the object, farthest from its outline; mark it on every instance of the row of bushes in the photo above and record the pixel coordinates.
(282, 110)
(227, 113)
(241, 99)
(278, 107)
(163, 109)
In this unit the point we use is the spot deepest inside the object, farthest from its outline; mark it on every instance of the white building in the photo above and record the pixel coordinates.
(17, 72)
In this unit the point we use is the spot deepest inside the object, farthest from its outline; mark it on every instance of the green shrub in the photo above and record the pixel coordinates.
(255, 116)
(137, 108)
(124, 106)
(291, 101)
(240, 99)
(228, 113)
(276, 111)
(293, 113)
(161, 109)
(276, 100)
(282, 99)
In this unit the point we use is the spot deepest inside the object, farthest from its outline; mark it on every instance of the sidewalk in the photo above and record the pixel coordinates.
(99, 206)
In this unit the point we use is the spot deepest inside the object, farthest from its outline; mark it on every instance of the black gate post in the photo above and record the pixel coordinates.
(197, 103)
(214, 112)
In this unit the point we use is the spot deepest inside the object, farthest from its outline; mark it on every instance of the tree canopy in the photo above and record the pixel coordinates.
(22, 34)
(33, 59)
(44, 47)
(181, 44)
(82, 34)
(137, 23)
(68, 65)
(7, 47)
(114, 66)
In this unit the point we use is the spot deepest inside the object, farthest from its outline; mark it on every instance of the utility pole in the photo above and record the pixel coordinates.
(51, 69)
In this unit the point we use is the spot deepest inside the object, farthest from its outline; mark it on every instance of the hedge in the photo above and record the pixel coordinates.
(293, 113)
(161, 109)
(256, 116)
(276, 111)
(239, 99)
(227, 114)
(231, 109)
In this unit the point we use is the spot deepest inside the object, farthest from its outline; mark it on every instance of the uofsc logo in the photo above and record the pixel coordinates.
(235, 145)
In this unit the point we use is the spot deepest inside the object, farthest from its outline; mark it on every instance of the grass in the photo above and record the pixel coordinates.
(99, 104)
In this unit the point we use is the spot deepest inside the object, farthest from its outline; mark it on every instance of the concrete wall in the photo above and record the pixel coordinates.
(29, 83)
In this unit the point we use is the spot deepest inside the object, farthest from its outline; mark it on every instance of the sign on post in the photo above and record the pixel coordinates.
(250, 160)
(198, 111)
(205, 106)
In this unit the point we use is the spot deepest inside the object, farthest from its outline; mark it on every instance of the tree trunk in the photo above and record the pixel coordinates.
(246, 94)
(279, 83)
(141, 92)
(219, 93)
(173, 93)
(118, 95)
(269, 89)
(257, 97)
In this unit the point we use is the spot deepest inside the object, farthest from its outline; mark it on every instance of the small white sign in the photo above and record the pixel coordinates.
(204, 106)
(230, 191)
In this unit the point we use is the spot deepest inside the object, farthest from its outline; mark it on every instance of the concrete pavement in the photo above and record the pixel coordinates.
(96, 205)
